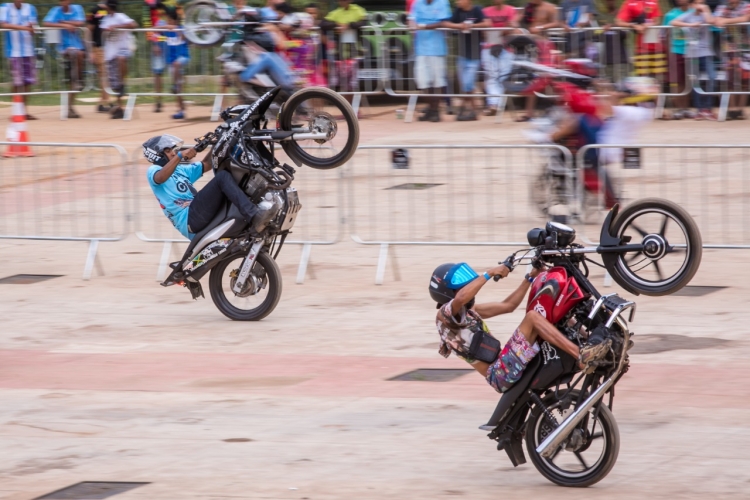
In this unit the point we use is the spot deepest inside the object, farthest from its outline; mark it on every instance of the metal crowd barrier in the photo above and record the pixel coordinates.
(710, 181)
(462, 195)
(319, 223)
(66, 192)
(52, 77)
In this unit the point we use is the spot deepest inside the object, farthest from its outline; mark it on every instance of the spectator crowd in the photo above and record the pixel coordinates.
(461, 47)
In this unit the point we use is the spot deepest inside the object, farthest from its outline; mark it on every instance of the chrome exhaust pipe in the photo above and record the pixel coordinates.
(547, 448)
(556, 438)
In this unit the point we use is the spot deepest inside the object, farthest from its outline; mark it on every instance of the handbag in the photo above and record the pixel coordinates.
(484, 347)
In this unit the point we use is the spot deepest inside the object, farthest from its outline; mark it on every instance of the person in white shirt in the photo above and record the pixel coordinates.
(20, 18)
(118, 48)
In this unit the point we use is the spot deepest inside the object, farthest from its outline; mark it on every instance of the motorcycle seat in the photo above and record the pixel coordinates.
(225, 213)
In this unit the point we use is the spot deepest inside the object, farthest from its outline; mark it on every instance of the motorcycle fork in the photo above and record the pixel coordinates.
(247, 264)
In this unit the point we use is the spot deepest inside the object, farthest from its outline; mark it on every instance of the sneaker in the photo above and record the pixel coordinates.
(707, 114)
(157, 108)
(180, 115)
(73, 114)
(490, 112)
(590, 354)
(677, 115)
(426, 116)
(435, 116)
(104, 108)
(118, 114)
(466, 116)
(29, 117)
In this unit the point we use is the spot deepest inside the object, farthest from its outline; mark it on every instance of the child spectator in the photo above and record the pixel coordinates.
(176, 57)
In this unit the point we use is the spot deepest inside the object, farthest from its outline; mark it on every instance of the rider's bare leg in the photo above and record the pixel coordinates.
(535, 325)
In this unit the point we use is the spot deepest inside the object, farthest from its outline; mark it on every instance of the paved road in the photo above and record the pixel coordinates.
(118, 379)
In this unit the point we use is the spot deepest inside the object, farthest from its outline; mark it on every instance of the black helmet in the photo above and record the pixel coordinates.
(439, 290)
(153, 149)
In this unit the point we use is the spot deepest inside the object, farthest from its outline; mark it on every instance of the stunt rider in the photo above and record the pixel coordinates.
(190, 210)
(459, 319)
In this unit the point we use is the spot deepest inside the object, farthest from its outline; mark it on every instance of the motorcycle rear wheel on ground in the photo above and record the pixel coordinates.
(251, 304)
(586, 457)
(320, 110)
(672, 253)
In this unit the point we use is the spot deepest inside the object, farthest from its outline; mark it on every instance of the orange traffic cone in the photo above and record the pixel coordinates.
(17, 131)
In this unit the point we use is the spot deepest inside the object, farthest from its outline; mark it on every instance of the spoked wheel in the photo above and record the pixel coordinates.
(196, 32)
(586, 457)
(259, 297)
(327, 115)
(672, 247)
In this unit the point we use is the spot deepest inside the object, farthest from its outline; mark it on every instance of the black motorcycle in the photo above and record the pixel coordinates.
(315, 127)
(652, 247)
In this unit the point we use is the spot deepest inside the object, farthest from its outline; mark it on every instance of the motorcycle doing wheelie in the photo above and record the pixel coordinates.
(652, 247)
(315, 127)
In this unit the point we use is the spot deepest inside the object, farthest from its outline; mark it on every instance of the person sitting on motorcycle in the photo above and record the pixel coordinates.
(261, 44)
(189, 210)
(605, 119)
(454, 286)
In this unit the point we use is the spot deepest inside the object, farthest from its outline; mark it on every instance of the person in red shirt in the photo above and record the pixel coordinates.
(638, 15)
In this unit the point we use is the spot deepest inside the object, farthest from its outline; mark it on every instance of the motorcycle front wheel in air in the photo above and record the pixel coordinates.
(672, 247)
(587, 456)
(321, 112)
(260, 295)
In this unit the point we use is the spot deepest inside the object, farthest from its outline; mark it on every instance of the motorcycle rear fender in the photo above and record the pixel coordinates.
(607, 239)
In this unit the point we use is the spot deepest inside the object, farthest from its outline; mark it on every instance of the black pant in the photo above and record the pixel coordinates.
(211, 198)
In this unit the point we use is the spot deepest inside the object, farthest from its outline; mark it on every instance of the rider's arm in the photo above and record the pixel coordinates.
(207, 162)
(468, 292)
(167, 170)
(510, 304)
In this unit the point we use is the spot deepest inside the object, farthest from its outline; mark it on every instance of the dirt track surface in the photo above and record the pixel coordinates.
(119, 379)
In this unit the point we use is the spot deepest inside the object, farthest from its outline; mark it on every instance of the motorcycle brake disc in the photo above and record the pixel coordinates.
(324, 123)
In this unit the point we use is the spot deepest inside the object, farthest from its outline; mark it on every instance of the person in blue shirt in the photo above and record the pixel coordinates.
(430, 50)
(190, 210)
(19, 19)
(70, 18)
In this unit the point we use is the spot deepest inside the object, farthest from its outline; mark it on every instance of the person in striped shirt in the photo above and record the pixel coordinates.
(20, 19)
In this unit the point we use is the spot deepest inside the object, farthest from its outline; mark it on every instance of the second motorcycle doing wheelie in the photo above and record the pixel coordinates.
(316, 127)
(653, 247)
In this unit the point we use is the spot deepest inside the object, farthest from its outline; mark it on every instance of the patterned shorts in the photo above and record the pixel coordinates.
(511, 363)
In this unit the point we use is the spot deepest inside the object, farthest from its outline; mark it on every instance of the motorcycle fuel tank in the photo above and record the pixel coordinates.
(553, 294)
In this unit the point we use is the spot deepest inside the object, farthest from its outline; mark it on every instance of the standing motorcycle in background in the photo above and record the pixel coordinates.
(652, 247)
(315, 127)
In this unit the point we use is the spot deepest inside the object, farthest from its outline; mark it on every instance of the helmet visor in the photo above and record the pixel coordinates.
(460, 275)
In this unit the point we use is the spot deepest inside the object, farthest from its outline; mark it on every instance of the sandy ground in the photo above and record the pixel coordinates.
(119, 379)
